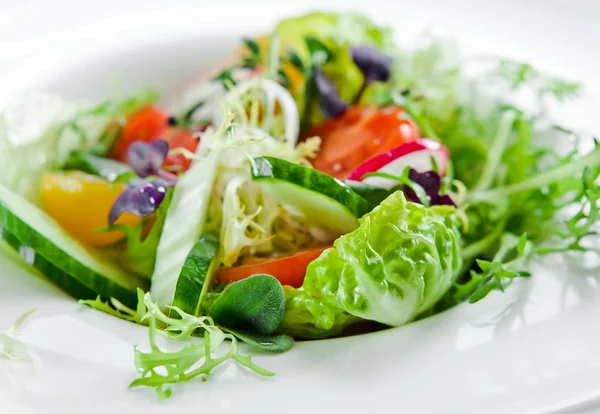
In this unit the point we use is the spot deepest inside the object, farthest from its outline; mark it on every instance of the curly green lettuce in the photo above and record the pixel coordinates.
(399, 262)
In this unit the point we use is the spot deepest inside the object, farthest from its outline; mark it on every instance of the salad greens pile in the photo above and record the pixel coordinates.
(325, 179)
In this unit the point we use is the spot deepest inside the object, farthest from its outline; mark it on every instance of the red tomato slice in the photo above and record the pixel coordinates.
(147, 124)
(360, 134)
(289, 270)
(179, 138)
(151, 123)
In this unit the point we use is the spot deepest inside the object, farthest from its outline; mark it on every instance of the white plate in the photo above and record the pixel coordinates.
(532, 349)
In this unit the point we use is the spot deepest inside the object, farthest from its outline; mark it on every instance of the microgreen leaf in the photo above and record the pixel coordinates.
(283, 79)
(255, 304)
(252, 46)
(265, 343)
(319, 52)
(296, 61)
(226, 78)
(423, 188)
(330, 103)
(374, 65)
(419, 191)
(140, 200)
(137, 253)
(93, 164)
(147, 158)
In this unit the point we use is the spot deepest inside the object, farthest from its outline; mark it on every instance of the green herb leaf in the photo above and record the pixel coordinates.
(137, 252)
(520, 74)
(319, 52)
(265, 343)
(403, 179)
(252, 46)
(283, 79)
(115, 308)
(106, 168)
(517, 73)
(581, 225)
(296, 61)
(561, 89)
(226, 78)
(161, 369)
(186, 118)
(498, 273)
(255, 304)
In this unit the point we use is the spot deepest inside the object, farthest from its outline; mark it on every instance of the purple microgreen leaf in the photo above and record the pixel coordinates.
(169, 177)
(146, 159)
(330, 103)
(140, 200)
(431, 182)
(374, 65)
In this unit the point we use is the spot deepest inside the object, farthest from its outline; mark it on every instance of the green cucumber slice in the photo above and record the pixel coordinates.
(81, 272)
(196, 274)
(183, 226)
(321, 199)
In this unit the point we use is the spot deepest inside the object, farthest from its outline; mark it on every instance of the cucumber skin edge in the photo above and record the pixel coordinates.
(49, 262)
(274, 168)
(198, 262)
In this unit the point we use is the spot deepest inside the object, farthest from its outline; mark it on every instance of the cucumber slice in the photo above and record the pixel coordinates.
(183, 226)
(196, 274)
(321, 199)
(81, 272)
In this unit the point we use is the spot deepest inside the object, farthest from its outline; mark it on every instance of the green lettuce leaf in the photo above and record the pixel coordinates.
(400, 261)
(310, 314)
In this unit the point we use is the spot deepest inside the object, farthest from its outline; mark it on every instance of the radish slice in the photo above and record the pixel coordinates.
(416, 154)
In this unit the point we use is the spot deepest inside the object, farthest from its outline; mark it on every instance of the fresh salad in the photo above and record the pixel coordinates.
(322, 182)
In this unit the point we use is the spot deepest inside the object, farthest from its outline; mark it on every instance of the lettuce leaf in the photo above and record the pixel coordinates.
(400, 261)
(310, 314)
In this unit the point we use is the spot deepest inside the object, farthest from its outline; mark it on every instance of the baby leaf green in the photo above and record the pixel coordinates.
(254, 304)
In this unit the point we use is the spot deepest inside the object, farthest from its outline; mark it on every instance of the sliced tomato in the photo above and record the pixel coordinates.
(151, 123)
(360, 134)
(289, 270)
(179, 138)
(147, 124)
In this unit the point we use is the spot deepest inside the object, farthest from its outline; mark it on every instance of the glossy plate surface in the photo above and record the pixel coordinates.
(533, 349)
